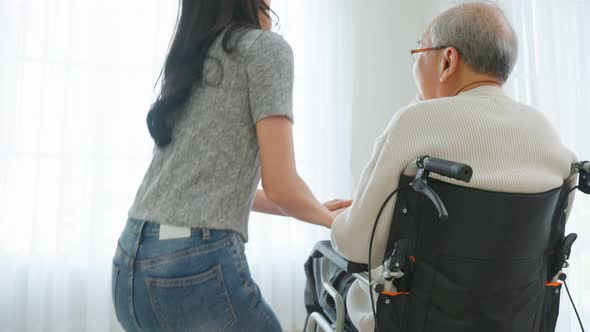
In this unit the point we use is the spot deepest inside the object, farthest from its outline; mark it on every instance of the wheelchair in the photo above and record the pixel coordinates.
(461, 259)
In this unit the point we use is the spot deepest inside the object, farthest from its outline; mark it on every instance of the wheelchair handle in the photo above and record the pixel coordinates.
(583, 166)
(446, 168)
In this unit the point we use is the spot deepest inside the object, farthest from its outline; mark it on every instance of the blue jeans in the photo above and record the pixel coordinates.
(199, 283)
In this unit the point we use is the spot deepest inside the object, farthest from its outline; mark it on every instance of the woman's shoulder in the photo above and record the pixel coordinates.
(254, 42)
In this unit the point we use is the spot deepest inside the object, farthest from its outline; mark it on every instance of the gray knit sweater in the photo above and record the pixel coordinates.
(208, 175)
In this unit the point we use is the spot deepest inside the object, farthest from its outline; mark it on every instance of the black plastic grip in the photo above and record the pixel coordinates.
(449, 169)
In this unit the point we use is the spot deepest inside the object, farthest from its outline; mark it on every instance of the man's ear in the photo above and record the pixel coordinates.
(449, 63)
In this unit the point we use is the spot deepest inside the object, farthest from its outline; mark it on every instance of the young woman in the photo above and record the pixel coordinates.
(222, 122)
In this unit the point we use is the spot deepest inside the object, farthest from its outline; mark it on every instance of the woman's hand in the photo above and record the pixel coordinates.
(333, 215)
(337, 204)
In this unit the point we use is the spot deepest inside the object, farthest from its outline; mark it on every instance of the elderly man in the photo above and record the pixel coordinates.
(465, 56)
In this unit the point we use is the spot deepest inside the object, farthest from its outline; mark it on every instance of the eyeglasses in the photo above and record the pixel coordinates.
(414, 53)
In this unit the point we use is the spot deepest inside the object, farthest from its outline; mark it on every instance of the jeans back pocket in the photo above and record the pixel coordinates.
(193, 303)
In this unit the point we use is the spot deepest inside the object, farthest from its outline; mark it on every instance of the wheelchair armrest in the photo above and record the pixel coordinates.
(324, 249)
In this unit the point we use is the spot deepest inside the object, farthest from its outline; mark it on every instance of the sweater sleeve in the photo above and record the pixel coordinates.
(351, 230)
(270, 73)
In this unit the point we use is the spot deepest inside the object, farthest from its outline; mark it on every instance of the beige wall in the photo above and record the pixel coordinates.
(385, 31)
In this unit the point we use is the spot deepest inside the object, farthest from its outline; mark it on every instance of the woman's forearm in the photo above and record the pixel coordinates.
(264, 205)
(296, 200)
(282, 185)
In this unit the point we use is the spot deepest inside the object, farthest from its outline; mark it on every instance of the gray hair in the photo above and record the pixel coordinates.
(482, 35)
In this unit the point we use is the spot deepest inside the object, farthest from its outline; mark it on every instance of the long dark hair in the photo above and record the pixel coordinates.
(198, 25)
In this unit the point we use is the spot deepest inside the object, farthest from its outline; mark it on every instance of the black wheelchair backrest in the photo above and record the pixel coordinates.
(486, 268)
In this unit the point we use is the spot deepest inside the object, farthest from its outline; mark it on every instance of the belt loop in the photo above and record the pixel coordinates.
(206, 234)
(135, 226)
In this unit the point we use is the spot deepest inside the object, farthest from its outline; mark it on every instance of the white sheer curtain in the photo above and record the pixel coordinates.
(553, 74)
(77, 78)
(76, 81)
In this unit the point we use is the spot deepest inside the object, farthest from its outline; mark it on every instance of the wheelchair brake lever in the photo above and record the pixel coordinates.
(397, 261)
(396, 266)
(400, 262)
(420, 184)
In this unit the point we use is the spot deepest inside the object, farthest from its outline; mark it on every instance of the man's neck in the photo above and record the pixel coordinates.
(474, 82)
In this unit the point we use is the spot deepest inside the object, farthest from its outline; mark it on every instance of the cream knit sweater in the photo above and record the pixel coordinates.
(510, 146)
